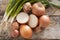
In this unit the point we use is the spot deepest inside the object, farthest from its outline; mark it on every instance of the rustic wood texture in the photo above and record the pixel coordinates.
(51, 32)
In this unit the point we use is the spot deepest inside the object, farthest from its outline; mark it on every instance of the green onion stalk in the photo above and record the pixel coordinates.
(10, 5)
(11, 8)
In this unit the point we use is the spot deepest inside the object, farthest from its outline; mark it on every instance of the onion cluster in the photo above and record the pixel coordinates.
(27, 23)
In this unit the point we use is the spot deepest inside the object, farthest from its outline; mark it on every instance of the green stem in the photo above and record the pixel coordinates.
(10, 5)
(5, 19)
(17, 11)
(55, 5)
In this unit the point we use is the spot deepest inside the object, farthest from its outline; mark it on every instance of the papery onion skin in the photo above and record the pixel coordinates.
(25, 31)
(38, 9)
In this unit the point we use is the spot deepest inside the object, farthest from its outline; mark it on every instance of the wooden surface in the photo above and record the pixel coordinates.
(51, 32)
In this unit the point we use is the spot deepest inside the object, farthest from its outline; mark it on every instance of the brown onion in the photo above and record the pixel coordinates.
(44, 21)
(38, 9)
(25, 31)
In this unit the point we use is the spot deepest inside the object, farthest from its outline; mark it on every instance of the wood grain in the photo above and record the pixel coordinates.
(51, 32)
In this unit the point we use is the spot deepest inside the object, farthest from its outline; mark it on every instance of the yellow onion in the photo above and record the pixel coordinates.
(25, 31)
(27, 7)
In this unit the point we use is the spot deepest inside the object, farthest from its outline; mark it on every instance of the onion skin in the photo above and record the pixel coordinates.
(44, 21)
(14, 33)
(15, 25)
(38, 9)
(27, 7)
(25, 31)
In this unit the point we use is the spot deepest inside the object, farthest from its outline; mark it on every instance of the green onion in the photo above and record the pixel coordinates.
(7, 15)
(12, 17)
(10, 5)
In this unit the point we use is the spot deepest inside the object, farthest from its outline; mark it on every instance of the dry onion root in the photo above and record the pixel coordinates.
(3, 28)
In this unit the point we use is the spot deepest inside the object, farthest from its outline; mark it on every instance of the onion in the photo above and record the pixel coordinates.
(14, 33)
(38, 9)
(33, 21)
(22, 18)
(44, 21)
(25, 31)
(27, 7)
(15, 25)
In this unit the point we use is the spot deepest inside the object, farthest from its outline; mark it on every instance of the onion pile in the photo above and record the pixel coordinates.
(27, 23)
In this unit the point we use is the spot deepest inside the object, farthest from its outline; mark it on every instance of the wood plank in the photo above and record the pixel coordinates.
(51, 32)
(52, 11)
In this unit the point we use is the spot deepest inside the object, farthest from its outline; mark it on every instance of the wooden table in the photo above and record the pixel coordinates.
(51, 32)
